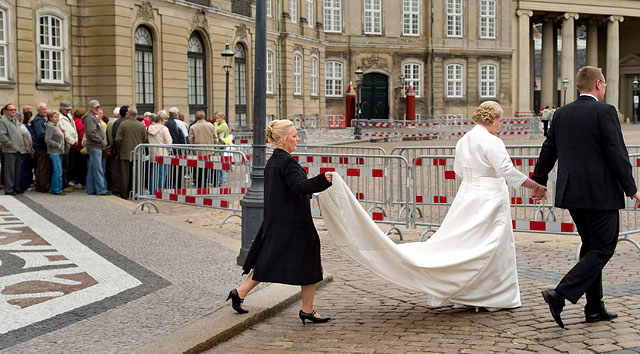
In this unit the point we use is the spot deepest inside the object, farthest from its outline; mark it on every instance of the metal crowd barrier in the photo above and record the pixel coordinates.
(379, 182)
(435, 186)
(203, 175)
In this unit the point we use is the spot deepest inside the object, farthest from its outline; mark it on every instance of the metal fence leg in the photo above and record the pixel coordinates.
(149, 204)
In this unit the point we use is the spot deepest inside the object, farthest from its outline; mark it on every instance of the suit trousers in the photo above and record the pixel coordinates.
(43, 171)
(125, 178)
(598, 231)
(11, 172)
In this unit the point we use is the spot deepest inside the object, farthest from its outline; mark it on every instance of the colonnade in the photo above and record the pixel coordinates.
(551, 75)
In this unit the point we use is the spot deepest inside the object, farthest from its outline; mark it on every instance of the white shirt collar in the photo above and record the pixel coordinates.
(588, 94)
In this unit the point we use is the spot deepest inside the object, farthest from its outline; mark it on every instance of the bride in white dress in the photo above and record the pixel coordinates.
(471, 259)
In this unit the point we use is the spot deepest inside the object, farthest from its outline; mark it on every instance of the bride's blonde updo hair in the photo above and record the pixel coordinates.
(278, 130)
(487, 112)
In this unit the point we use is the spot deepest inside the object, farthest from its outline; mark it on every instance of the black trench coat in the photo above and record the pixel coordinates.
(287, 248)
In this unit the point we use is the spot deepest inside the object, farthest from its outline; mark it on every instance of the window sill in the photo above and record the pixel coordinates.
(9, 84)
(53, 86)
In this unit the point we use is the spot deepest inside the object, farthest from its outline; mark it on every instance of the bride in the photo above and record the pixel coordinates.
(471, 259)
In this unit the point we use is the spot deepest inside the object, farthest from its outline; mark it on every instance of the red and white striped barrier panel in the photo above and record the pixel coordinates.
(336, 121)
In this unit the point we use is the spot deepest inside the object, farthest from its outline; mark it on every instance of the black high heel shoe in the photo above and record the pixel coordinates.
(312, 317)
(236, 301)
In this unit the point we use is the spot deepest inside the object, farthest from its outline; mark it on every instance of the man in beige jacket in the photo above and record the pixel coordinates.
(203, 133)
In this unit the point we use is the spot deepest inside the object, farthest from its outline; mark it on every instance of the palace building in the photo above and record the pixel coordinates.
(454, 53)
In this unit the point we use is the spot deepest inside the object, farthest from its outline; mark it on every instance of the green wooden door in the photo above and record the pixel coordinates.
(375, 96)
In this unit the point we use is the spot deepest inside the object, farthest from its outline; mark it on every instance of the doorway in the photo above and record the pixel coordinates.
(375, 96)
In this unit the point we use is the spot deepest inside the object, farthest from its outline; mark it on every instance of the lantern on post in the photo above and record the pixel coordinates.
(227, 54)
(356, 130)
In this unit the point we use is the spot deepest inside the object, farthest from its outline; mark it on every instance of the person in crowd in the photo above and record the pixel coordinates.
(12, 146)
(54, 138)
(146, 118)
(545, 119)
(203, 133)
(222, 129)
(471, 259)
(28, 171)
(130, 133)
(178, 136)
(96, 142)
(281, 253)
(43, 162)
(111, 137)
(27, 158)
(594, 175)
(158, 134)
(67, 125)
(79, 152)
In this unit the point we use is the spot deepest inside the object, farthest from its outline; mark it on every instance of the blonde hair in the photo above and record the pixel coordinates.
(278, 130)
(587, 77)
(487, 112)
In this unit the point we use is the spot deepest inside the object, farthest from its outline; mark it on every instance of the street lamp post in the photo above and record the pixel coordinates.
(356, 130)
(227, 54)
(635, 100)
(565, 83)
(402, 85)
(253, 201)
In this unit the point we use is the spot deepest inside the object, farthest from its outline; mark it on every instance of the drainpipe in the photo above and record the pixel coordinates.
(279, 63)
(432, 51)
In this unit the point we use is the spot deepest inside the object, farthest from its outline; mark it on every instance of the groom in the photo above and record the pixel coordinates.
(594, 173)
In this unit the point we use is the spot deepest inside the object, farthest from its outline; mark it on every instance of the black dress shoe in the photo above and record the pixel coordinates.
(236, 301)
(556, 304)
(312, 317)
(603, 315)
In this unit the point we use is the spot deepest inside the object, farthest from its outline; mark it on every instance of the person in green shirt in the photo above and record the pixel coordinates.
(222, 129)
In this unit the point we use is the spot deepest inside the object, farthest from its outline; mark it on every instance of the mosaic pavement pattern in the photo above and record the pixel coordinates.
(53, 274)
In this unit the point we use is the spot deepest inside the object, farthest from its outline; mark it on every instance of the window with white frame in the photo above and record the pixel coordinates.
(144, 69)
(454, 80)
(372, 16)
(333, 78)
(293, 10)
(412, 76)
(410, 17)
(51, 49)
(488, 80)
(454, 18)
(310, 19)
(4, 46)
(314, 76)
(269, 71)
(488, 19)
(196, 70)
(297, 74)
(269, 8)
(332, 16)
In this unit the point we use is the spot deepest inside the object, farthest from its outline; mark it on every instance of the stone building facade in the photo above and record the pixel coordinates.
(455, 53)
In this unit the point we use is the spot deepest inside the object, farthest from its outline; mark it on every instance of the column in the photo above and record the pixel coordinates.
(592, 43)
(524, 105)
(548, 73)
(612, 74)
(568, 58)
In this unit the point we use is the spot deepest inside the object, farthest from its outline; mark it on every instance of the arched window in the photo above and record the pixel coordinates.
(488, 80)
(412, 76)
(51, 49)
(333, 78)
(196, 72)
(454, 81)
(144, 70)
(297, 74)
(241, 84)
(4, 46)
(314, 76)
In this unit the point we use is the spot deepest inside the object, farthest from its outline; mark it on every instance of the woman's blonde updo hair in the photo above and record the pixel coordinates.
(487, 112)
(277, 130)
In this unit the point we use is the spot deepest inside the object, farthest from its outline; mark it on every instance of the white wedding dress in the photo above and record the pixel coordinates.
(471, 259)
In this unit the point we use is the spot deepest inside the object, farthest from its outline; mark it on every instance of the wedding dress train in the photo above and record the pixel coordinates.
(470, 260)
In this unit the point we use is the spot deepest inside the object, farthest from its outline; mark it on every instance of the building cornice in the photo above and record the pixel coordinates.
(624, 8)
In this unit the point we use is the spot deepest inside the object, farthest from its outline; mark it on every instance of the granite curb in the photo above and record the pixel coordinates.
(223, 324)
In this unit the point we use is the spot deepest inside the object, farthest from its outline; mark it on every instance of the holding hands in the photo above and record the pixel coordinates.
(539, 193)
(329, 176)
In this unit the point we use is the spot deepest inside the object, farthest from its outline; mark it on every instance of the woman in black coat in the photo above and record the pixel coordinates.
(287, 247)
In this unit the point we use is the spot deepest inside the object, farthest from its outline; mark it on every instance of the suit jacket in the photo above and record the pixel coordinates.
(594, 171)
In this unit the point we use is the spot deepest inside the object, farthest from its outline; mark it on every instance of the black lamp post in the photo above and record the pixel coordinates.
(227, 54)
(565, 83)
(253, 201)
(356, 130)
(635, 100)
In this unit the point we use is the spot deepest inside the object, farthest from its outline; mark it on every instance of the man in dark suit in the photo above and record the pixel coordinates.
(594, 173)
